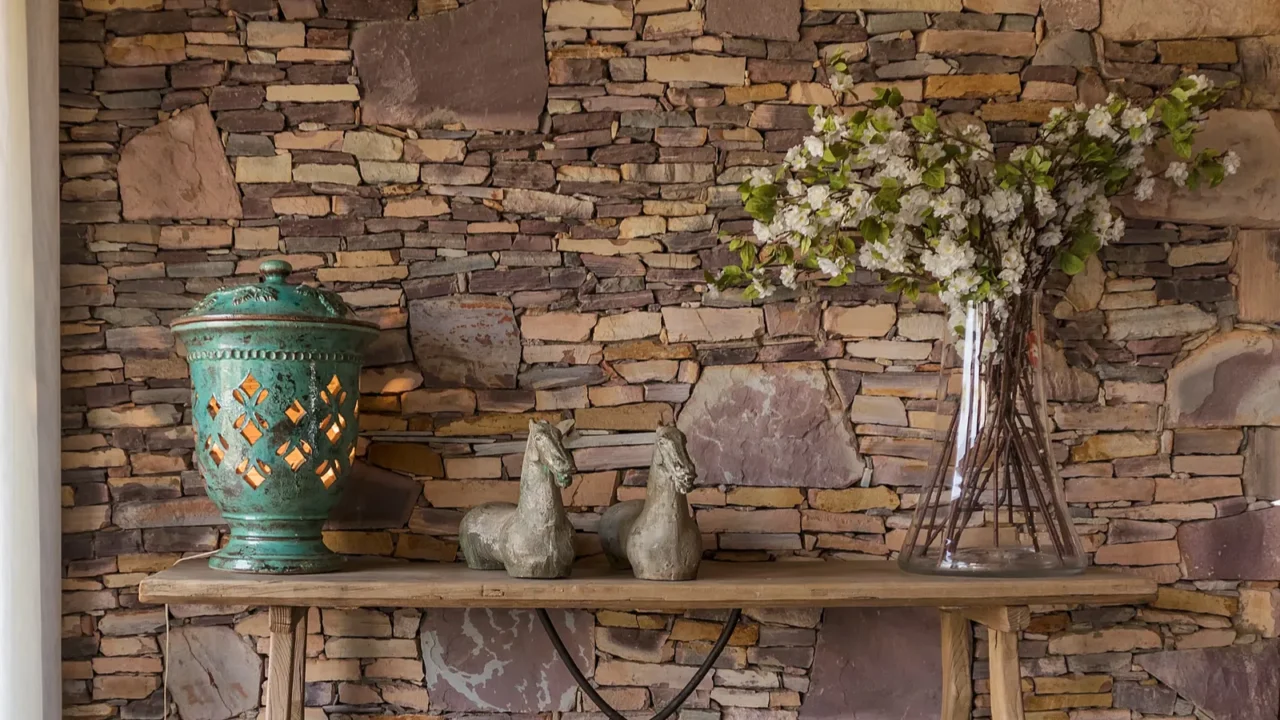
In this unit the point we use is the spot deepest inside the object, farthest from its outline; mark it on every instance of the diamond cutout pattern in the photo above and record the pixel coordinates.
(251, 422)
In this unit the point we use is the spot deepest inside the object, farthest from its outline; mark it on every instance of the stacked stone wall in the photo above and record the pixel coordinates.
(525, 199)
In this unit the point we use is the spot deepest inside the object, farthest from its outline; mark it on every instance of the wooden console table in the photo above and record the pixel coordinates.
(999, 604)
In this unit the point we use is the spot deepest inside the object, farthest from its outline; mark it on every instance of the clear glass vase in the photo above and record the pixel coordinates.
(994, 504)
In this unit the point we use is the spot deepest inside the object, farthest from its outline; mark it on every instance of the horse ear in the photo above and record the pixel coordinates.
(564, 426)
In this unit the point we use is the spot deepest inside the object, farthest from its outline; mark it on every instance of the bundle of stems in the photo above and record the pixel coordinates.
(995, 456)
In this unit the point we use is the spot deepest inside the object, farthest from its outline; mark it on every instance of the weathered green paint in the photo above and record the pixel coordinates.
(255, 351)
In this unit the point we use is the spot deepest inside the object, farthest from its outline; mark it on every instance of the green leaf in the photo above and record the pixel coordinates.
(763, 203)
(1085, 245)
(1070, 264)
(935, 177)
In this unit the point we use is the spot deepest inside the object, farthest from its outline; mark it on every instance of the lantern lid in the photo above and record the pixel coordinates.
(273, 299)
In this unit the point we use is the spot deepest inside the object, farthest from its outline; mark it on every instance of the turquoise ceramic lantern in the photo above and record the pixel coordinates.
(275, 370)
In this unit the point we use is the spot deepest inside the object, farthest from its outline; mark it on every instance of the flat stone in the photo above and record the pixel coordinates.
(712, 324)
(546, 205)
(1260, 62)
(769, 19)
(411, 78)
(1135, 20)
(1258, 265)
(488, 660)
(465, 341)
(1071, 14)
(1161, 321)
(178, 170)
(374, 499)
(1250, 198)
(1064, 382)
(1215, 549)
(1232, 380)
(796, 435)
(1262, 463)
(215, 673)
(1070, 48)
(893, 671)
(1241, 682)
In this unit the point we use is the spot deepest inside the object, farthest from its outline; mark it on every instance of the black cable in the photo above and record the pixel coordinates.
(716, 650)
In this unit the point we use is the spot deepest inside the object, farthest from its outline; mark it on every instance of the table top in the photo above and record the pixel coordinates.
(388, 583)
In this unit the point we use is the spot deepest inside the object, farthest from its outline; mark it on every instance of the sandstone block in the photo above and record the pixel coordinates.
(1138, 20)
(177, 170)
(276, 34)
(276, 169)
(861, 321)
(764, 450)
(949, 43)
(164, 49)
(339, 92)
(465, 340)
(558, 326)
(1199, 396)
(697, 68)
(409, 68)
(628, 326)
(929, 6)
(593, 15)
(769, 19)
(1258, 264)
(971, 86)
(712, 324)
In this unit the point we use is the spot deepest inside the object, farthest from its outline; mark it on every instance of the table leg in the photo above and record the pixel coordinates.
(287, 662)
(1006, 677)
(957, 666)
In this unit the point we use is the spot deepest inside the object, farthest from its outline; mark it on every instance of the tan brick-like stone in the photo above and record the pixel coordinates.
(1004, 7)
(257, 238)
(1158, 552)
(754, 93)
(372, 146)
(1197, 52)
(971, 86)
(628, 326)
(639, 417)
(276, 169)
(861, 321)
(314, 140)
(1033, 111)
(558, 326)
(1104, 489)
(1118, 639)
(275, 34)
(1108, 446)
(343, 92)
(195, 237)
(929, 6)
(697, 68)
(1168, 598)
(712, 324)
(414, 207)
(370, 648)
(854, 499)
(755, 521)
(336, 174)
(146, 50)
(949, 43)
(435, 151)
(595, 15)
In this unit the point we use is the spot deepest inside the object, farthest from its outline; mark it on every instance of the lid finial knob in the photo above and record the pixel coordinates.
(275, 270)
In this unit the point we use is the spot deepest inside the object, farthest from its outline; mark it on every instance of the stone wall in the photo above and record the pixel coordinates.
(525, 200)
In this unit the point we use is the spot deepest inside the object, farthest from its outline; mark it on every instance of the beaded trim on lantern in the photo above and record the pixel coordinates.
(304, 356)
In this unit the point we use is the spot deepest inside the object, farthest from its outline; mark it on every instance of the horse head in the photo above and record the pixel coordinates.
(672, 459)
(547, 447)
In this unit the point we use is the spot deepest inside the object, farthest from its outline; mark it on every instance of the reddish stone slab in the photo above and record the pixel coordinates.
(487, 660)
(1241, 547)
(1231, 380)
(1240, 682)
(412, 78)
(375, 499)
(178, 170)
(465, 341)
(769, 19)
(780, 424)
(876, 664)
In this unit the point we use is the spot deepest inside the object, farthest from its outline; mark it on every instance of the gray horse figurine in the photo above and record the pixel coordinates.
(657, 537)
(532, 539)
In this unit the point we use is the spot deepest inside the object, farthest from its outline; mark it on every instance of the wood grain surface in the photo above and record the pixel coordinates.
(386, 583)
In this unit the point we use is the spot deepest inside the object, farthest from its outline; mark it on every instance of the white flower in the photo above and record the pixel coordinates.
(789, 276)
(1133, 117)
(763, 232)
(1051, 236)
(1201, 83)
(1231, 162)
(1177, 172)
(1046, 205)
(759, 177)
(817, 196)
(840, 82)
(762, 287)
(795, 188)
(814, 146)
(1145, 189)
(1099, 124)
(831, 267)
